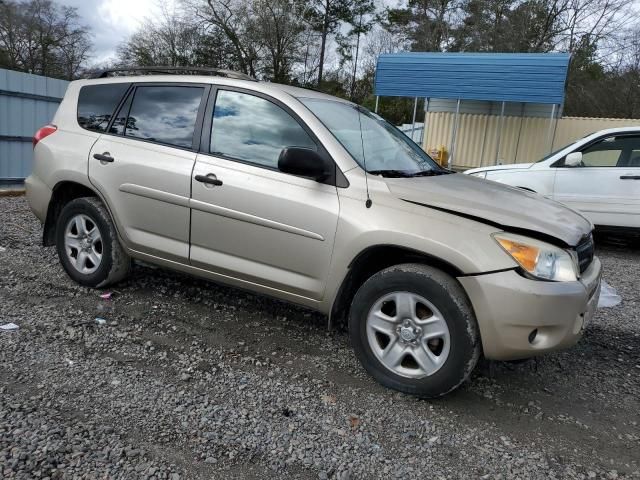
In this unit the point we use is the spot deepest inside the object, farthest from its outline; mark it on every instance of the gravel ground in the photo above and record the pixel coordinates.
(188, 379)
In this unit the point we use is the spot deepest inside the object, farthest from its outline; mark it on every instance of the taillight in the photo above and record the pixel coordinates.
(44, 132)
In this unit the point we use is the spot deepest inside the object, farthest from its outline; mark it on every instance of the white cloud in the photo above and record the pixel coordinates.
(110, 22)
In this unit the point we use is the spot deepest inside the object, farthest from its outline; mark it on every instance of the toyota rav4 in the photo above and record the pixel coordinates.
(314, 200)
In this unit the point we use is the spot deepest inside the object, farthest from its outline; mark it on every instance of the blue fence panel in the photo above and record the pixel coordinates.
(27, 102)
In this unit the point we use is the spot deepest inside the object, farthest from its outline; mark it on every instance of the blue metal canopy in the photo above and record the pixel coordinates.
(507, 77)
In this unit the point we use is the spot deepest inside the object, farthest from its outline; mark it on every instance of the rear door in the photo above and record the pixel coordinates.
(260, 225)
(606, 187)
(142, 166)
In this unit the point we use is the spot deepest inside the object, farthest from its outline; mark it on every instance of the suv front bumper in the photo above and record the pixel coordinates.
(519, 317)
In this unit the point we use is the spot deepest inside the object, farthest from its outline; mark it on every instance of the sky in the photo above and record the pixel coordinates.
(110, 22)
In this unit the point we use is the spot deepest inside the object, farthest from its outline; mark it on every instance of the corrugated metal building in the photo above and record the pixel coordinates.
(27, 102)
(487, 91)
(502, 77)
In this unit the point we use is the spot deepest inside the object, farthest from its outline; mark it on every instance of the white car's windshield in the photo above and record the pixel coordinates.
(377, 146)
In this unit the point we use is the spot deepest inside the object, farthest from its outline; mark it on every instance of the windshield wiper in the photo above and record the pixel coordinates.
(405, 174)
(430, 173)
(390, 173)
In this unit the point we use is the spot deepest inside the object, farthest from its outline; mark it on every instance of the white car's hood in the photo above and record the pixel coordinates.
(494, 203)
(514, 166)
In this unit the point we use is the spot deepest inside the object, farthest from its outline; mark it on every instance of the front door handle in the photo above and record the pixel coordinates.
(630, 177)
(209, 179)
(103, 157)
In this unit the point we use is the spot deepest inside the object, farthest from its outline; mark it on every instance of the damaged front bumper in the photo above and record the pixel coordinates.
(520, 317)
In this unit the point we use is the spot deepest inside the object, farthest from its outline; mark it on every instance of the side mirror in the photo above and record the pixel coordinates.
(573, 159)
(303, 162)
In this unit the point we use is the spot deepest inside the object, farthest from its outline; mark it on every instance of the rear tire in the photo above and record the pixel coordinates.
(88, 246)
(413, 329)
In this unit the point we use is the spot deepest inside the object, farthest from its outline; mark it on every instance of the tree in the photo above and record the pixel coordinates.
(535, 25)
(278, 28)
(425, 24)
(362, 20)
(169, 39)
(264, 37)
(325, 17)
(37, 36)
(231, 19)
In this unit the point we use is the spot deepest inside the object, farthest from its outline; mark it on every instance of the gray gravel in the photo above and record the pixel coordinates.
(188, 379)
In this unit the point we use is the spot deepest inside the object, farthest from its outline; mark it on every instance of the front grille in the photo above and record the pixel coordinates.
(585, 251)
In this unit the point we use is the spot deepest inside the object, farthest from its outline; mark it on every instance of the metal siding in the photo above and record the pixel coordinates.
(522, 77)
(534, 143)
(481, 107)
(21, 117)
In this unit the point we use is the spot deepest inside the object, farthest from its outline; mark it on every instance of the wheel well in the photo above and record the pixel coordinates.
(62, 194)
(371, 261)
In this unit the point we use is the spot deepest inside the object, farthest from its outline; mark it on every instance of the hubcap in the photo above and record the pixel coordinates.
(83, 244)
(408, 334)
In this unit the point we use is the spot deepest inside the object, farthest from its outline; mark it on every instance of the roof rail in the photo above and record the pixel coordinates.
(160, 69)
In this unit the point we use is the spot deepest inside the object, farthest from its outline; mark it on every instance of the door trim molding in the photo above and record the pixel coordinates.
(182, 201)
(154, 194)
(248, 218)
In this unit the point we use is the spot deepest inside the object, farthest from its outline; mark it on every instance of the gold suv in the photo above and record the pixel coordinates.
(317, 201)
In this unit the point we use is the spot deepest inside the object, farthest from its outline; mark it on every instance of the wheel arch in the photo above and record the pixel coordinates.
(62, 193)
(372, 260)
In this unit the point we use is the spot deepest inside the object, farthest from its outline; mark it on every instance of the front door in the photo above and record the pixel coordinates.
(606, 186)
(260, 225)
(143, 167)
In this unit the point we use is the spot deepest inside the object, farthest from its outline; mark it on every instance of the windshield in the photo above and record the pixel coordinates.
(372, 141)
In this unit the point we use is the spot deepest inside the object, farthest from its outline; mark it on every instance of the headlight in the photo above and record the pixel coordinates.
(539, 259)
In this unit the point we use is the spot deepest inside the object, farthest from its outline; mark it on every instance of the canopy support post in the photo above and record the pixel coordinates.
(499, 134)
(376, 109)
(551, 129)
(415, 111)
(452, 149)
(515, 159)
(423, 140)
(484, 137)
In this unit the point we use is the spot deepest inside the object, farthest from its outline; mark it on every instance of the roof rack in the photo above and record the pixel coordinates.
(160, 69)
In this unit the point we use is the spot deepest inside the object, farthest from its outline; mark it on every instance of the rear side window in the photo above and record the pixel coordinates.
(96, 104)
(120, 121)
(164, 114)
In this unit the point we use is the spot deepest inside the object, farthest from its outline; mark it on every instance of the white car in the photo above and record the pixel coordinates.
(598, 175)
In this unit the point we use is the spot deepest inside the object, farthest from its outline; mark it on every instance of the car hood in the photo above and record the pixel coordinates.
(495, 204)
(514, 166)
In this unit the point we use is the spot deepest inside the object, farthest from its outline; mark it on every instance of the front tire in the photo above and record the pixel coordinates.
(88, 246)
(413, 329)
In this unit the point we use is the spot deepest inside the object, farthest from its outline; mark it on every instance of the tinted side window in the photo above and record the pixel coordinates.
(164, 114)
(632, 153)
(119, 123)
(605, 153)
(96, 104)
(253, 129)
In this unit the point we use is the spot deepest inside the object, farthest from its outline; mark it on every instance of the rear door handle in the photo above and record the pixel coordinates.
(630, 177)
(103, 157)
(209, 179)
